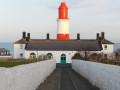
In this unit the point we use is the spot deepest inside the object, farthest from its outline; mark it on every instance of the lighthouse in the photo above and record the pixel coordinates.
(63, 22)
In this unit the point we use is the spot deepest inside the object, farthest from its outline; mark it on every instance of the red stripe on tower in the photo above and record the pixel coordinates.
(63, 22)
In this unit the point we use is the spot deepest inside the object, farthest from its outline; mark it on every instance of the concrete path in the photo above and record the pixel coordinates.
(66, 79)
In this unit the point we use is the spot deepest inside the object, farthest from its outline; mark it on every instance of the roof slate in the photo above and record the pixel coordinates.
(105, 41)
(21, 41)
(4, 50)
(63, 45)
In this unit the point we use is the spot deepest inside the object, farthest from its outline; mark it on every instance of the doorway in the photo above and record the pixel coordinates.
(63, 59)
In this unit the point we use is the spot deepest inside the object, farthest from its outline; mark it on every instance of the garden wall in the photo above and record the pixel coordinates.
(104, 76)
(26, 77)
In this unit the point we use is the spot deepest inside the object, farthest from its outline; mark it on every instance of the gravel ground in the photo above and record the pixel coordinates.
(66, 79)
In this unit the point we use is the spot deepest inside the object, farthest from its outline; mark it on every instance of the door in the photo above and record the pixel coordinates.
(63, 59)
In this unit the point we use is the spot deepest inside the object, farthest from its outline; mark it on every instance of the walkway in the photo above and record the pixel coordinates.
(66, 79)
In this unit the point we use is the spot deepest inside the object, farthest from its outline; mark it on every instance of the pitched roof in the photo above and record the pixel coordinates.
(105, 41)
(21, 41)
(4, 50)
(63, 45)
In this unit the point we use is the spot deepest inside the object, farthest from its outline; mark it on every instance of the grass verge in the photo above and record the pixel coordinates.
(11, 64)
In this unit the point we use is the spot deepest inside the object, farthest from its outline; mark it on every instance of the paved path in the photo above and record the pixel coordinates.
(66, 79)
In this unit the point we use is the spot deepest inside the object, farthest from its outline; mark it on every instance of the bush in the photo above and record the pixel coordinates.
(98, 57)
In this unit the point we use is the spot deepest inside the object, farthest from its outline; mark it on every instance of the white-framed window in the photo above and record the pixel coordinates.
(21, 46)
(105, 47)
(49, 56)
(21, 56)
(32, 56)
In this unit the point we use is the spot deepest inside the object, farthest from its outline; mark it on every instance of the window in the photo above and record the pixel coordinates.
(77, 56)
(21, 56)
(49, 56)
(105, 47)
(32, 56)
(21, 46)
(8, 53)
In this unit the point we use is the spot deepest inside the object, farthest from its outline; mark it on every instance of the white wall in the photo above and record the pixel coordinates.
(18, 51)
(26, 77)
(56, 54)
(2, 79)
(109, 48)
(6, 56)
(104, 76)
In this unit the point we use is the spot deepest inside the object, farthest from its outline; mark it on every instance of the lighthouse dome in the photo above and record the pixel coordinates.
(63, 11)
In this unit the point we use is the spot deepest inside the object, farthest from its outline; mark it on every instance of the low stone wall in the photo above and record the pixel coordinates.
(6, 56)
(104, 76)
(26, 77)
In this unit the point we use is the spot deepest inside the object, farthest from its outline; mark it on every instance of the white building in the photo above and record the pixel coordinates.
(63, 48)
(4, 53)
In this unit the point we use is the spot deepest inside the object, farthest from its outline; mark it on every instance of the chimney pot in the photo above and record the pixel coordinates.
(102, 35)
(98, 36)
(24, 35)
(48, 36)
(78, 36)
(28, 35)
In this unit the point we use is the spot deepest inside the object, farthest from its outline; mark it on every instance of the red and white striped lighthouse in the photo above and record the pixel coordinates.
(63, 22)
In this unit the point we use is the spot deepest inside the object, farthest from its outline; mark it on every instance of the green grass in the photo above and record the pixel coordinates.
(11, 64)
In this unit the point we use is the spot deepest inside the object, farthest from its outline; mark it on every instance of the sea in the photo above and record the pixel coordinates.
(10, 46)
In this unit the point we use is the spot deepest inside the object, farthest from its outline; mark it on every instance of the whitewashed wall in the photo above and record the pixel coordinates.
(18, 51)
(6, 56)
(2, 79)
(104, 76)
(110, 48)
(26, 77)
(56, 54)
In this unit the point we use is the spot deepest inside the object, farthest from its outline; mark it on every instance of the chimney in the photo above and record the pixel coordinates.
(98, 36)
(28, 35)
(24, 35)
(27, 39)
(48, 36)
(78, 36)
(102, 35)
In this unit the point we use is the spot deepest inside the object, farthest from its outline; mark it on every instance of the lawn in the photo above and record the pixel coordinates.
(15, 62)
(11, 64)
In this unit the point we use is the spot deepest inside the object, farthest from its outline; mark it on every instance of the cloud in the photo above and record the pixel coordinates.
(89, 3)
(79, 3)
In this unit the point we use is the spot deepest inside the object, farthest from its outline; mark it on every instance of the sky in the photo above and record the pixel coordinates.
(39, 17)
